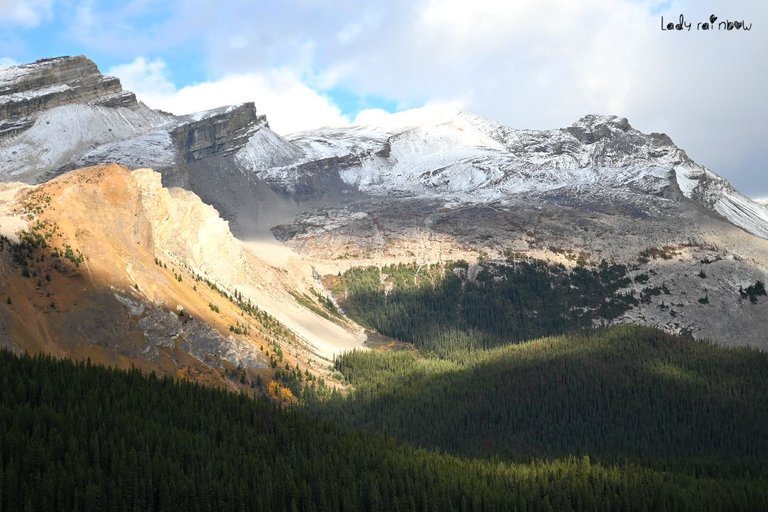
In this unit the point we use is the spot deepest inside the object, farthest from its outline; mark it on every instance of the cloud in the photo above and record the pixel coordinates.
(27, 13)
(545, 63)
(431, 113)
(7, 61)
(146, 78)
(290, 105)
(531, 63)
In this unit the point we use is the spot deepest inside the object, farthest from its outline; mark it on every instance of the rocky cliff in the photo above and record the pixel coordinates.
(108, 264)
(30, 89)
(217, 132)
(61, 114)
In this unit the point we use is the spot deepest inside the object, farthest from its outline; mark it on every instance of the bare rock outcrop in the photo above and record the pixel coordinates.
(217, 132)
(30, 89)
(61, 114)
(190, 231)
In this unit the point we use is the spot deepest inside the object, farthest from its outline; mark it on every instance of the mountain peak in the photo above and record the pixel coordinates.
(597, 120)
(29, 89)
(11, 75)
(592, 127)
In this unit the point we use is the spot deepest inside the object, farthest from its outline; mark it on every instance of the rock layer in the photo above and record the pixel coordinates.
(30, 89)
(217, 132)
(61, 114)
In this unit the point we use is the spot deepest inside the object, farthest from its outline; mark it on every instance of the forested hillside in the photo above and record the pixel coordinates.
(620, 418)
(446, 307)
(615, 394)
(79, 437)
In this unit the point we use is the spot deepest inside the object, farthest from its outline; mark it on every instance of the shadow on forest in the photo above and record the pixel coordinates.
(440, 307)
(619, 394)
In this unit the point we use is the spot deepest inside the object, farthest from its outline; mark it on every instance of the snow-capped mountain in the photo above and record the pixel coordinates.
(59, 114)
(463, 158)
(62, 113)
(423, 185)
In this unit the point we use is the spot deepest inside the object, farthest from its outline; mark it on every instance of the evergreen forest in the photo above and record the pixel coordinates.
(499, 391)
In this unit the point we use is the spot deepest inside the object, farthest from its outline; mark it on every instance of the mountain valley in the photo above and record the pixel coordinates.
(429, 311)
(429, 185)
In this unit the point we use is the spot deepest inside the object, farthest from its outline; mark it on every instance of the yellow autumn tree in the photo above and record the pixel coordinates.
(279, 392)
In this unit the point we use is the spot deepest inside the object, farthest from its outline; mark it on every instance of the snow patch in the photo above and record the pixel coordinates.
(265, 150)
(33, 93)
(64, 134)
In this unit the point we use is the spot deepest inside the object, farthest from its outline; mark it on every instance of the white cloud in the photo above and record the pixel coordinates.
(529, 62)
(27, 13)
(146, 78)
(432, 113)
(7, 61)
(290, 105)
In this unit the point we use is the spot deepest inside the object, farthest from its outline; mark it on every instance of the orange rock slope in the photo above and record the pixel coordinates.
(104, 263)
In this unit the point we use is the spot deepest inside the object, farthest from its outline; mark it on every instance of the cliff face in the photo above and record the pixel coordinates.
(32, 88)
(217, 132)
(116, 302)
(61, 114)
(138, 274)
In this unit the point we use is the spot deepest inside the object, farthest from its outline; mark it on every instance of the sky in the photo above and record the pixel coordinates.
(524, 63)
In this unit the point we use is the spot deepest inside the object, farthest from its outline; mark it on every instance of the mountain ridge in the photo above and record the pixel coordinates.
(469, 159)
(46, 83)
(154, 279)
(432, 185)
(439, 151)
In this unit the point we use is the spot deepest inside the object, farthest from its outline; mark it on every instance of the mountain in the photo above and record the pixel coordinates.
(429, 277)
(153, 279)
(62, 113)
(29, 89)
(445, 185)
(462, 158)
(429, 185)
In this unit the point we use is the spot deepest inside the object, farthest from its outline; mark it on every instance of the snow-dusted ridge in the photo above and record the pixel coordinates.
(57, 114)
(62, 113)
(458, 156)
(68, 133)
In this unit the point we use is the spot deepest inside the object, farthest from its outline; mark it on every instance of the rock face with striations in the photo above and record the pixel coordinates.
(217, 132)
(32, 88)
(62, 113)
